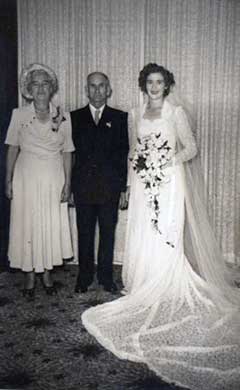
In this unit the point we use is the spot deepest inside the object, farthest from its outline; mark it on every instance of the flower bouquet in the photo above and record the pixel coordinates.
(150, 157)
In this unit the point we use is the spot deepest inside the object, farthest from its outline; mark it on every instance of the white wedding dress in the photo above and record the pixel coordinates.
(179, 323)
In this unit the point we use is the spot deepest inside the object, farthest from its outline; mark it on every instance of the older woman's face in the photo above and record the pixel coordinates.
(40, 87)
(155, 86)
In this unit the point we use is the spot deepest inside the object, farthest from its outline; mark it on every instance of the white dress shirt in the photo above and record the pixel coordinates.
(94, 109)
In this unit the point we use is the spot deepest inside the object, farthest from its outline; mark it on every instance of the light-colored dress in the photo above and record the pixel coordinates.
(170, 318)
(39, 227)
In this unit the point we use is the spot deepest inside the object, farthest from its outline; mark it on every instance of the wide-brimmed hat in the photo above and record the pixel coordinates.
(24, 81)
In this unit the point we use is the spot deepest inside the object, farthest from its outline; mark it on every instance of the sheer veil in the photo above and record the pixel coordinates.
(200, 244)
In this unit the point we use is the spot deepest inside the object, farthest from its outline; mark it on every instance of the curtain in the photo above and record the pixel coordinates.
(198, 40)
(76, 37)
(8, 100)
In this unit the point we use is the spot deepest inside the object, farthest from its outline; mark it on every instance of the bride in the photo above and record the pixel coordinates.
(179, 314)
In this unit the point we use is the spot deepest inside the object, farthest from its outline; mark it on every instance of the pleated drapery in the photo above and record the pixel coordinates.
(198, 40)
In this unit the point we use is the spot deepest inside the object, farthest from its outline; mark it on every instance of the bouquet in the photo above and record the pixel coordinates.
(150, 157)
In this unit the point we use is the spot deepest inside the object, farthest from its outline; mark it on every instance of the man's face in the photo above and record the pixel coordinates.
(98, 90)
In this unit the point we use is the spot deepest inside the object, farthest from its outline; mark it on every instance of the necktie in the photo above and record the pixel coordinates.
(97, 116)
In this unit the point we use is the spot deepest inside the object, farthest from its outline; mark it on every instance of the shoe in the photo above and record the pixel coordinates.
(82, 289)
(30, 280)
(48, 285)
(29, 292)
(50, 290)
(110, 287)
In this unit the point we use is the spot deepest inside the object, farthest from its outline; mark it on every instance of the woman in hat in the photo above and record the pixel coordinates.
(38, 174)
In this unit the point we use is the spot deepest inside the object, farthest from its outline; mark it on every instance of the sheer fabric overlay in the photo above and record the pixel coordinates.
(180, 313)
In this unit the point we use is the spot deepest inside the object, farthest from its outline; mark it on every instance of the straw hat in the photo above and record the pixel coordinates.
(24, 79)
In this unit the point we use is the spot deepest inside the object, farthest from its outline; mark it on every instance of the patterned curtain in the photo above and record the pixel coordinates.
(198, 40)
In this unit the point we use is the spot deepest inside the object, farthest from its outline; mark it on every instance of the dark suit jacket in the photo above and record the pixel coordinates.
(100, 167)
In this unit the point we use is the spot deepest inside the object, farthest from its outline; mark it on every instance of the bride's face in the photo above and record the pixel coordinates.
(155, 86)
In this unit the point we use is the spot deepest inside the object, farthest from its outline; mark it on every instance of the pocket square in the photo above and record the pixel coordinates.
(109, 124)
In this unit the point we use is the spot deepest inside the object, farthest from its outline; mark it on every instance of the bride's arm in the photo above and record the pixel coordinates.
(185, 135)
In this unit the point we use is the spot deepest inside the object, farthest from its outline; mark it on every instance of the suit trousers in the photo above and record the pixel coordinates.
(87, 216)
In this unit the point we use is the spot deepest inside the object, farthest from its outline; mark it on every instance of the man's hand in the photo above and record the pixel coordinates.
(8, 189)
(124, 197)
(66, 193)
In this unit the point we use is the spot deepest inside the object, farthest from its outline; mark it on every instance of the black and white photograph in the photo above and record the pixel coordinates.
(119, 195)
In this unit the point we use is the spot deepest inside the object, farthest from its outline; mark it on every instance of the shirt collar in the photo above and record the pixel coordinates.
(94, 109)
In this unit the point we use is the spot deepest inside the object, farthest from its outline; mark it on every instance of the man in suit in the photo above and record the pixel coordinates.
(100, 135)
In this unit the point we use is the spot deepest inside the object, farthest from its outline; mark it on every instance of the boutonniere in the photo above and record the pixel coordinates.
(109, 124)
(57, 118)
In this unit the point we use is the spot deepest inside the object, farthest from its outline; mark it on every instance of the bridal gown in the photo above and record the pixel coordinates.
(170, 318)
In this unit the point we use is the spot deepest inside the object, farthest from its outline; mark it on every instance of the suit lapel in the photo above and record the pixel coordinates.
(103, 119)
(106, 117)
(89, 117)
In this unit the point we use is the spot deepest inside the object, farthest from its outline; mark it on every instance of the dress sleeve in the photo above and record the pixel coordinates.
(12, 137)
(185, 135)
(132, 134)
(68, 145)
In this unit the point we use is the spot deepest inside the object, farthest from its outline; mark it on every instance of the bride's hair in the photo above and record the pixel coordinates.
(155, 68)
